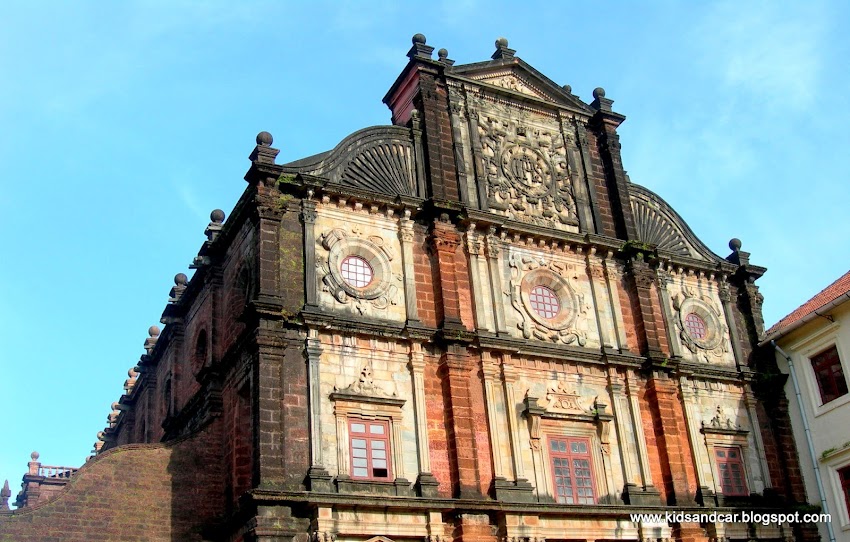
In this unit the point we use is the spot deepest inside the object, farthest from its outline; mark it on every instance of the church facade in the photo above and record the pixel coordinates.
(469, 325)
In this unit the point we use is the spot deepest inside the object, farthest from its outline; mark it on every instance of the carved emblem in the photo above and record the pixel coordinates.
(528, 178)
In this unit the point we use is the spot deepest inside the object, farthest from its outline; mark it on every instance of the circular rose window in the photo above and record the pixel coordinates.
(544, 301)
(696, 326)
(356, 271)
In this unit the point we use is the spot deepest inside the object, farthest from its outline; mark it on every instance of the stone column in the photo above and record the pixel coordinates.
(426, 484)
(663, 279)
(622, 416)
(405, 235)
(612, 281)
(650, 494)
(456, 112)
(755, 427)
(308, 218)
(490, 370)
(494, 250)
(522, 490)
(690, 400)
(473, 249)
(318, 476)
(596, 275)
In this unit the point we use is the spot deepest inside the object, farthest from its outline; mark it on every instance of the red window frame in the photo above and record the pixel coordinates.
(572, 470)
(844, 477)
(369, 449)
(730, 467)
(829, 375)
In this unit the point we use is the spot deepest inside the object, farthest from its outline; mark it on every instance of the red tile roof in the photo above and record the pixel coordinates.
(827, 295)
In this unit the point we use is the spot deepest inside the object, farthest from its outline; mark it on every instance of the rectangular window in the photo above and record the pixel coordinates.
(844, 476)
(830, 376)
(571, 470)
(370, 449)
(730, 466)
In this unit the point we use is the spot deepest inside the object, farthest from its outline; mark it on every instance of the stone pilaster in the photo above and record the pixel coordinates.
(426, 484)
(494, 258)
(318, 476)
(521, 490)
(405, 234)
(445, 240)
(690, 400)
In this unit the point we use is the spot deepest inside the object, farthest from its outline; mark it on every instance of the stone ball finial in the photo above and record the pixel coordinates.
(34, 456)
(501, 42)
(180, 279)
(568, 89)
(418, 38)
(598, 92)
(265, 139)
(735, 244)
(217, 216)
(443, 53)
(153, 331)
(114, 405)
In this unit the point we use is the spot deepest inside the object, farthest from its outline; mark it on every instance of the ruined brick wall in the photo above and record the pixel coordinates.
(141, 492)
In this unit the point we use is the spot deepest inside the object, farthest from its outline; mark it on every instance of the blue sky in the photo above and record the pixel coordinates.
(125, 124)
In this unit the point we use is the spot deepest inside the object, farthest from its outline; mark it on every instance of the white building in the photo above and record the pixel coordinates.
(814, 350)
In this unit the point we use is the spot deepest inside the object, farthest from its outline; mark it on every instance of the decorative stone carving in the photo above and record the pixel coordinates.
(527, 173)
(378, 159)
(365, 385)
(713, 345)
(380, 292)
(721, 420)
(562, 399)
(658, 224)
(528, 272)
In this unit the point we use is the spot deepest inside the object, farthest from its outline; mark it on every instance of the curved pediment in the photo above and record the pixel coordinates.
(379, 159)
(658, 224)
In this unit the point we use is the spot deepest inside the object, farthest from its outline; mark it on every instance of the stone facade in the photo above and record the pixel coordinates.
(469, 325)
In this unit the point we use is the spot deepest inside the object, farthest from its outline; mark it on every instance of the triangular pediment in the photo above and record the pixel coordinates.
(518, 77)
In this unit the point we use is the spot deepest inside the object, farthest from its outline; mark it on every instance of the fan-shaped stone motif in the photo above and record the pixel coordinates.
(658, 224)
(379, 159)
(655, 229)
(385, 167)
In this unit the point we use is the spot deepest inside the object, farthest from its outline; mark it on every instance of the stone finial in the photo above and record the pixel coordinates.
(600, 102)
(130, 382)
(738, 256)
(214, 227)
(33, 465)
(502, 50)
(264, 153)
(150, 342)
(443, 57)
(419, 49)
(568, 89)
(5, 493)
(180, 282)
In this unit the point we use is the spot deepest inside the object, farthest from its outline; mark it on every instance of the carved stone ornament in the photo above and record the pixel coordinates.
(365, 385)
(527, 273)
(712, 345)
(339, 244)
(562, 399)
(721, 421)
(527, 174)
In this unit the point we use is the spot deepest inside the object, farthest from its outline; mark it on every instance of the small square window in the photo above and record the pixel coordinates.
(829, 375)
(369, 447)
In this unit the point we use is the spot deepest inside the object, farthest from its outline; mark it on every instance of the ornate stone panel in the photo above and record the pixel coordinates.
(570, 318)
(700, 326)
(526, 171)
(373, 241)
